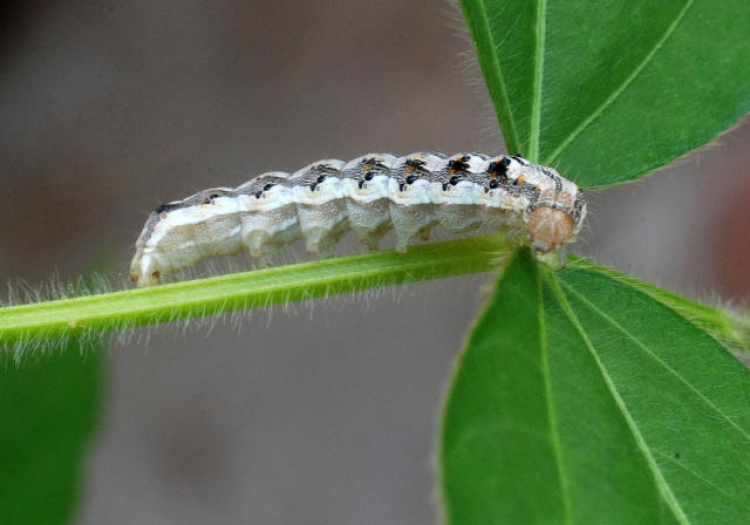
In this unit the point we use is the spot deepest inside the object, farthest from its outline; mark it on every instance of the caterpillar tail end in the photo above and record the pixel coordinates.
(143, 271)
(145, 280)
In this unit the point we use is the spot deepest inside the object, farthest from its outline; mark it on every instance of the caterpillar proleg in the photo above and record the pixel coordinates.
(371, 194)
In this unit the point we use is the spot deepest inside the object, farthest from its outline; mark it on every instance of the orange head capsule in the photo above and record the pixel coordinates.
(550, 228)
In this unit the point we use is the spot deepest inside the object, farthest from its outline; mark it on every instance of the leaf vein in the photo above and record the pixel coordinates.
(696, 475)
(621, 89)
(629, 419)
(646, 350)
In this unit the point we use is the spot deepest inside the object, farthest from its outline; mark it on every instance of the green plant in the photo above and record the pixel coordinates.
(583, 395)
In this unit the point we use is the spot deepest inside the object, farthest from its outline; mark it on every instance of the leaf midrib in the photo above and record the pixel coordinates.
(661, 481)
(553, 423)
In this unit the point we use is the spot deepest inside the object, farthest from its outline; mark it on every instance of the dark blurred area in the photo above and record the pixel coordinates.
(320, 413)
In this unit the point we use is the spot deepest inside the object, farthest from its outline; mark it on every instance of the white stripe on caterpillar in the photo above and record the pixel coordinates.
(370, 195)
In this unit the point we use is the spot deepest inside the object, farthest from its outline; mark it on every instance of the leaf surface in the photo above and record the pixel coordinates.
(580, 399)
(49, 406)
(608, 91)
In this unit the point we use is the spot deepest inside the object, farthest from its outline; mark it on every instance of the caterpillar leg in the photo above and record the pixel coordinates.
(256, 242)
(321, 245)
(322, 241)
(372, 237)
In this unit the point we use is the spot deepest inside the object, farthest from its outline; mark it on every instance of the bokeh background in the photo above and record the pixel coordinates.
(319, 413)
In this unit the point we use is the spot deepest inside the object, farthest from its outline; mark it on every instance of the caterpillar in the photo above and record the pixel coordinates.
(370, 195)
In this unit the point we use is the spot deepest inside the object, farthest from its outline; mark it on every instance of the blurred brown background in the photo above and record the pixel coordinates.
(326, 413)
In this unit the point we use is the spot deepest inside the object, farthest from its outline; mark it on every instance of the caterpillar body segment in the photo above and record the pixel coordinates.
(370, 195)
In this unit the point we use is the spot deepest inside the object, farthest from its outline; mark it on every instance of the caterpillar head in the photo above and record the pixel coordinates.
(550, 228)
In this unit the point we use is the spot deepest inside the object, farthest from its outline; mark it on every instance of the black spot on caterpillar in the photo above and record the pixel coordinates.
(466, 192)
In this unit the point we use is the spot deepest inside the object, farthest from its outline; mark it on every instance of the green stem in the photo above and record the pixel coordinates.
(113, 311)
(107, 312)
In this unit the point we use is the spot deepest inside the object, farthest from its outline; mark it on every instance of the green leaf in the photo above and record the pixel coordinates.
(610, 90)
(49, 406)
(730, 328)
(580, 399)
